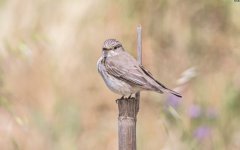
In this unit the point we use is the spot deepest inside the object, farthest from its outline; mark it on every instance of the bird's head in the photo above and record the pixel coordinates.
(111, 44)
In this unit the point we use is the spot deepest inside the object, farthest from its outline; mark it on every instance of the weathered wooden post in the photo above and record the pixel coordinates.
(128, 110)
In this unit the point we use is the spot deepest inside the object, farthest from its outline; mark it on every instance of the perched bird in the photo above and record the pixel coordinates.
(123, 74)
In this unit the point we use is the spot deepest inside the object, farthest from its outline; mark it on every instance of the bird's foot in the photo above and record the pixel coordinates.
(130, 96)
(119, 99)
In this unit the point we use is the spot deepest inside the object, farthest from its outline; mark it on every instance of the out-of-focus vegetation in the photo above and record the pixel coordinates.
(52, 98)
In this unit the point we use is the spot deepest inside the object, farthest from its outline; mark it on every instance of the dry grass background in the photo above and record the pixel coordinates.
(51, 96)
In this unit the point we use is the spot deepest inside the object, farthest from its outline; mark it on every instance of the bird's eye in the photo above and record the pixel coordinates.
(105, 49)
(115, 47)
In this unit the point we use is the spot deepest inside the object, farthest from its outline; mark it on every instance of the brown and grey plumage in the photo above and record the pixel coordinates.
(123, 74)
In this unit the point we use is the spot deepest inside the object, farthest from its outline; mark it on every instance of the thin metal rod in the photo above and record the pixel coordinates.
(139, 43)
(139, 54)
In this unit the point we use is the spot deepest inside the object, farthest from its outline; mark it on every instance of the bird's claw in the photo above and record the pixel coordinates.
(119, 99)
(130, 96)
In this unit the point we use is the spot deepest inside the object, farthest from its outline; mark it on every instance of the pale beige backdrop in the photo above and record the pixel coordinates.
(52, 98)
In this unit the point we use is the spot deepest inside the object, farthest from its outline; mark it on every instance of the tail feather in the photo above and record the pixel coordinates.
(173, 92)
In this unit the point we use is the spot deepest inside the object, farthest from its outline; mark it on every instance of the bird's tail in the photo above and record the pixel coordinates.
(172, 92)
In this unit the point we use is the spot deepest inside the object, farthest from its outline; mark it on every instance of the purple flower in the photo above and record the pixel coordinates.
(202, 132)
(194, 111)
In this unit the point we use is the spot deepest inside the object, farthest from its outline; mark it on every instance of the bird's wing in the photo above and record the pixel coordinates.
(126, 68)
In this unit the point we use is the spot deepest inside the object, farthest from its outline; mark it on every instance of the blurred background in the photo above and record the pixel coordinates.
(52, 97)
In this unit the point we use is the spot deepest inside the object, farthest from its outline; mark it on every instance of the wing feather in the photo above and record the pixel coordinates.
(150, 75)
(126, 69)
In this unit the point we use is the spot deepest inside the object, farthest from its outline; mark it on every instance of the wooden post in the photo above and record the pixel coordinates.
(128, 109)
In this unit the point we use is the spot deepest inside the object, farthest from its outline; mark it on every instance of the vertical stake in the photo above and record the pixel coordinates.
(128, 110)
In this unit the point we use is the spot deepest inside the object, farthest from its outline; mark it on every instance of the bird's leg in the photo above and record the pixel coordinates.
(130, 96)
(119, 99)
